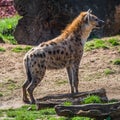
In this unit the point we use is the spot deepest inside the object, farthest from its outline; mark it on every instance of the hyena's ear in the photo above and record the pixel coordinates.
(87, 16)
(89, 11)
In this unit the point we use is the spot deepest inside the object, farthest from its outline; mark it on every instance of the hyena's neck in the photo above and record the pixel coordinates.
(79, 37)
(85, 34)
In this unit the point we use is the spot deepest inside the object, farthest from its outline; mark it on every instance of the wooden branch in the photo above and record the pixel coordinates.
(97, 111)
(76, 98)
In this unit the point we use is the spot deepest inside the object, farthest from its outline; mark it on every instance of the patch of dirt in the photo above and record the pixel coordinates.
(91, 76)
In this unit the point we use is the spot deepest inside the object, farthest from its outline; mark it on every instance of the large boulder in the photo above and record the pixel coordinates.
(45, 19)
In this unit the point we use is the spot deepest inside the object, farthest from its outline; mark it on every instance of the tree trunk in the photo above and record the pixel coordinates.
(96, 111)
(75, 99)
(45, 19)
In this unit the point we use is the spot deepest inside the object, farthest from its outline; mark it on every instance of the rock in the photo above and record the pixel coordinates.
(44, 20)
(1, 40)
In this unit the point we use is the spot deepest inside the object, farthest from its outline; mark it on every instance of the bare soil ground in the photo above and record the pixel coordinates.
(91, 76)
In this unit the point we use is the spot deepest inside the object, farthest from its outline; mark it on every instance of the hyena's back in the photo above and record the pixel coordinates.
(52, 56)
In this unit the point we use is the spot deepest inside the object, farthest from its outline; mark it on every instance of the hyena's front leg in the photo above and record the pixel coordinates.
(74, 73)
(75, 70)
(69, 72)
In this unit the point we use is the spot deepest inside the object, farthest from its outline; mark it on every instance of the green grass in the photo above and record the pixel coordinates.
(10, 84)
(67, 103)
(95, 44)
(24, 114)
(114, 41)
(21, 49)
(108, 71)
(1, 114)
(60, 82)
(116, 62)
(1, 94)
(118, 50)
(104, 44)
(113, 100)
(92, 99)
(7, 27)
(10, 39)
(2, 49)
(81, 118)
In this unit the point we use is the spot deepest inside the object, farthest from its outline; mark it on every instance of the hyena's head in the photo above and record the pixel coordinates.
(92, 21)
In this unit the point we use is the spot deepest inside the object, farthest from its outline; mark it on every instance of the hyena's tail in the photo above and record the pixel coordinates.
(26, 64)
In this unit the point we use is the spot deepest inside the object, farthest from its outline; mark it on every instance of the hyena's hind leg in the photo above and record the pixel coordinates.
(73, 77)
(24, 88)
(27, 82)
(37, 75)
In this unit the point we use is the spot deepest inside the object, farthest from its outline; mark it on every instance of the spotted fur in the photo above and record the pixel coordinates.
(64, 51)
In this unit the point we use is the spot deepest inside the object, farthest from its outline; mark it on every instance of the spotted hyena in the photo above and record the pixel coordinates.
(64, 51)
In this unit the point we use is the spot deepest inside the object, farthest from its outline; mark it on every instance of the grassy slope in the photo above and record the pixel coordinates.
(49, 114)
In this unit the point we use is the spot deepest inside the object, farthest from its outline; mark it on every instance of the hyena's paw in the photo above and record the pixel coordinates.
(26, 100)
(33, 102)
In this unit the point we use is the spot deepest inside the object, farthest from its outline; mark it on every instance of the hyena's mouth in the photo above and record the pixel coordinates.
(100, 24)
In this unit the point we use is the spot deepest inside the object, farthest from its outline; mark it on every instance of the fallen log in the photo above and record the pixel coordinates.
(76, 98)
(96, 111)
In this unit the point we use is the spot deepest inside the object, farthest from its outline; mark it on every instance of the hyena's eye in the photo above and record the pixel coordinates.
(95, 19)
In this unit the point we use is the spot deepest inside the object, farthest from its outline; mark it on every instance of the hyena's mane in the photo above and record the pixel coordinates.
(76, 23)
